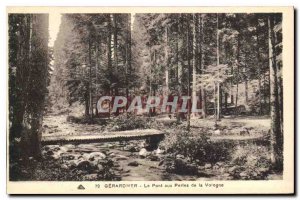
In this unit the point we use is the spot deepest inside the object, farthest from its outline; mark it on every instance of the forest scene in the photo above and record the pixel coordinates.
(145, 97)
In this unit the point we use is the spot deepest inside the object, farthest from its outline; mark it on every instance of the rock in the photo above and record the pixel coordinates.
(44, 153)
(121, 157)
(220, 163)
(161, 163)
(154, 158)
(111, 154)
(66, 156)
(69, 146)
(143, 153)
(100, 168)
(179, 156)
(73, 163)
(201, 168)
(226, 174)
(216, 167)
(192, 169)
(133, 164)
(217, 132)
(84, 165)
(158, 151)
(50, 153)
(232, 169)
(263, 169)
(91, 176)
(63, 149)
(254, 174)
(180, 165)
(56, 148)
(132, 149)
(97, 156)
(207, 166)
(94, 163)
(59, 153)
(111, 146)
(85, 156)
(243, 174)
(64, 166)
(55, 156)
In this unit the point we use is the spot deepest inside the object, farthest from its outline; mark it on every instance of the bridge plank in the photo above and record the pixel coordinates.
(104, 137)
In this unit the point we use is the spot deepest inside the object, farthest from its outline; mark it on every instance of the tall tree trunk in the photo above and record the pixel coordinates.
(109, 42)
(218, 64)
(194, 73)
(86, 100)
(115, 41)
(189, 74)
(90, 80)
(167, 61)
(246, 85)
(237, 73)
(259, 69)
(127, 49)
(276, 132)
(201, 63)
(98, 43)
(22, 69)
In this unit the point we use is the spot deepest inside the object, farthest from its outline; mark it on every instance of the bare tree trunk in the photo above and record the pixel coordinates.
(115, 41)
(276, 132)
(203, 91)
(109, 61)
(194, 48)
(237, 74)
(259, 70)
(167, 61)
(218, 64)
(90, 80)
(189, 75)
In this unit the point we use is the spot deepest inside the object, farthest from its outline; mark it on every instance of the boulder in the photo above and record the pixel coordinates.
(85, 156)
(133, 149)
(63, 149)
(55, 156)
(67, 156)
(64, 166)
(154, 158)
(243, 174)
(69, 146)
(207, 166)
(143, 153)
(232, 169)
(100, 168)
(97, 156)
(158, 151)
(49, 153)
(91, 177)
(84, 165)
(133, 164)
(121, 157)
(263, 169)
(217, 132)
(181, 166)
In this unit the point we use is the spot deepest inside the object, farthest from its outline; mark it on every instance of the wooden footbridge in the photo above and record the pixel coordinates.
(152, 136)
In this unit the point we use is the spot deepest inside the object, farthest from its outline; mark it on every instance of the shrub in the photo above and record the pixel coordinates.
(129, 122)
(196, 147)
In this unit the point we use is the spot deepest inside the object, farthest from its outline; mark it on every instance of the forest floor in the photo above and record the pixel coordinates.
(132, 161)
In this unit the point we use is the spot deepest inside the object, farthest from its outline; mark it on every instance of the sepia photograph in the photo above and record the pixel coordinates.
(186, 97)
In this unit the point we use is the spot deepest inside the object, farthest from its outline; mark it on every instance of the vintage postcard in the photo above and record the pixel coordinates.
(144, 100)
